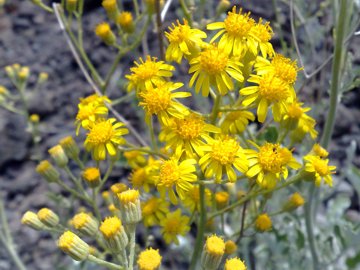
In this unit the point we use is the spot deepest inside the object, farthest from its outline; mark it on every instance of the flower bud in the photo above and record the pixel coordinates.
(294, 201)
(4, 93)
(91, 176)
(85, 224)
(34, 118)
(130, 206)
(46, 170)
(263, 223)
(230, 247)
(223, 6)
(74, 246)
(23, 73)
(125, 20)
(111, 8)
(31, 219)
(104, 32)
(59, 156)
(114, 233)
(48, 217)
(71, 5)
(213, 251)
(106, 196)
(149, 259)
(70, 147)
(234, 264)
(118, 188)
(221, 199)
(43, 77)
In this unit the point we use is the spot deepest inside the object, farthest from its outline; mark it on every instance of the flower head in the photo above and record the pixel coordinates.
(230, 247)
(135, 158)
(270, 163)
(130, 206)
(187, 135)
(174, 224)
(154, 210)
(92, 176)
(263, 223)
(235, 32)
(48, 217)
(221, 155)
(114, 233)
(213, 251)
(178, 175)
(213, 67)
(125, 20)
(104, 136)
(85, 223)
(104, 32)
(234, 264)
(320, 169)
(74, 246)
(149, 259)
(147, 73)
(262, 34)
(183, 40)
(192, 198)
(236, 122)
(270, 90)
(160, 101)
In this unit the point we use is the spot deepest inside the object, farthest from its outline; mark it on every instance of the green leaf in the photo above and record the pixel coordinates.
(271, 134)
(339, 235)
(300, 239)
(352, 262)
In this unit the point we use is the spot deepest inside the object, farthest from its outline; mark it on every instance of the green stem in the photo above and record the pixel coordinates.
(111, 71)
(152, 134)
(94, 204)
(73, 192)
(200, 230)
(104, 263)
(187, 14)
(132, 233)
(215, 111)
(309, 226)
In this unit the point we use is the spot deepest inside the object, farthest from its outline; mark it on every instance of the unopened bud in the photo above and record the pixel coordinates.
(48, 217)
(125, 20)
(114, 233)
(31, 219)
(70, 147)
(59, 156)
(85, 224)
(104, 32)
(91, 176)
(47, 170)
(130, 206)
(213, 252)
(71, 5)
(74, 246)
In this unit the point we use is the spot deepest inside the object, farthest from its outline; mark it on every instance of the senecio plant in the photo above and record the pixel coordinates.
(212, 164)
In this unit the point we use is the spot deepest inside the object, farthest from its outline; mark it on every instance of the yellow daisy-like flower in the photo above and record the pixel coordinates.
(320, 169)
(183, 40)
(160, 101)
(318, 150)
(263, 33)
(235, 32)
(147, 73)
(270, 91)
(295, 117)
(176, 174)
(139, 178)
(174, 224)
(187, 135)
(149, 259)
(269, 164)
(104, 136)
(282, 67)
(153, 210)
(90, 109)
(234, 264)
(192, 198)
(221, 155)
(236, 122)
(213, 67)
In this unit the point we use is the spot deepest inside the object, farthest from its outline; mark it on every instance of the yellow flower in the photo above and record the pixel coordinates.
(74, 246)
(213, 251)
(270, 91)
(85, 223)
(234, 264)
(213, 67)
(114, 233)
(104, 136)
(174, 224)
(183, 40)
(125, 20)
(280, 66)
(230, 247)
(147, 73)
(154, 210)
(139, 179)
(178, 175)
(48, 217)
(104, 32)
(192, 198)
(262, 33)
(90, 109)
(269, 164)
(92, 176)
(318, 150)
(159, 100)
(236, 122)
(187, 135)
(135, 158)
(221, 155)
(149, 259)
(222, 199)
(263, 223)
(130, 207)
(294, 201)
(236, 34)
(320, 169)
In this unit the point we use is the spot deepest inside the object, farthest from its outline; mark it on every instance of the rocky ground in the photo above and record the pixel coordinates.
(30, 36)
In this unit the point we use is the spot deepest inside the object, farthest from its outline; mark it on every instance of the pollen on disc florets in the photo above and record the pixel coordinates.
(285, 69)
(169, 173)
(179, 32)
(272, 157)
(294, 110)
(190, 128)
(273, 89)
(213, 60)
(224, 151)
(237, 24)
(101, 133)
(156, 99)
